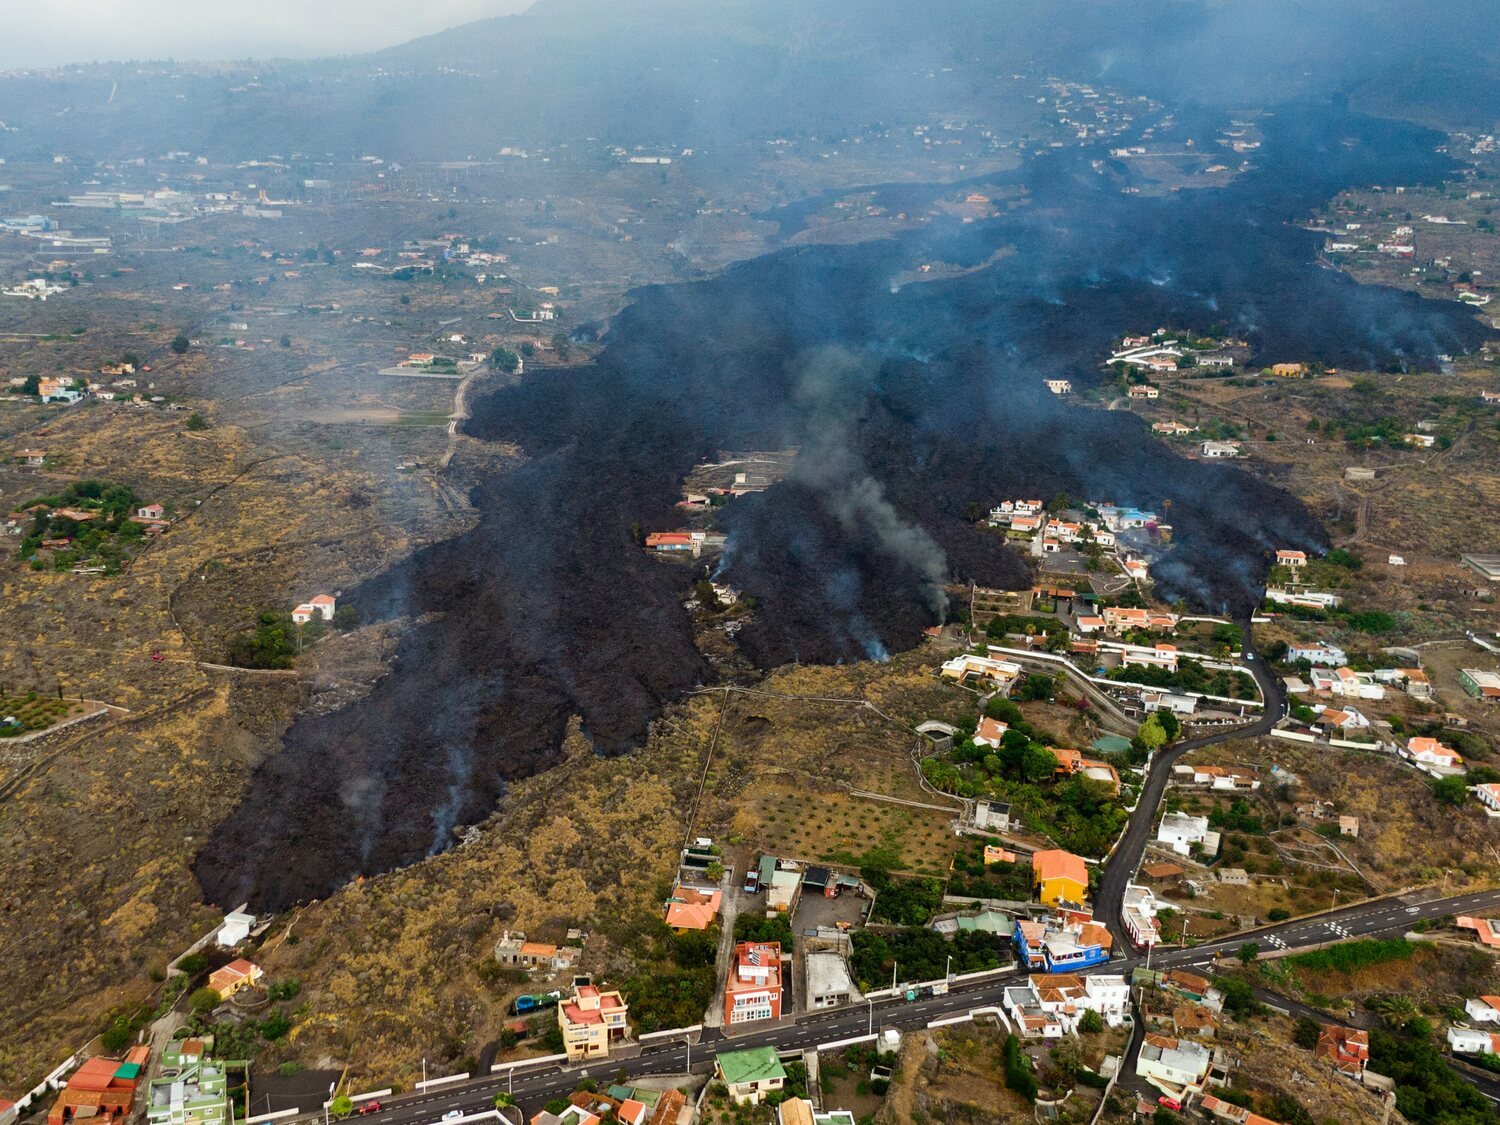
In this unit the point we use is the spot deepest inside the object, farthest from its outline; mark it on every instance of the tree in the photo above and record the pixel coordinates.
(180, 343)
(1038, 763)
(204, 999)
(1247, 952)
(1451, 790)
(1306, 1033)
(341, 1106)
(196, 423)
(1091, 1023)
(503, 359)
(1396, 1009)
(117, 1035)
(1170, 725)
(1151, 734)
(503, 1100)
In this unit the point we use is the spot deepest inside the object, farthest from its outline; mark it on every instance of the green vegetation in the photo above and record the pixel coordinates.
(92, 516)
(675, 978)
(973, 878)
(1352, 956)
(1082, 814)
(503, 359)
(28, 711)
(271, 644)
(1018, 1075)
(906, 902)
(918, 953)
(180, 343)
(1428, 1091)
(757, 927)
(1192, 676)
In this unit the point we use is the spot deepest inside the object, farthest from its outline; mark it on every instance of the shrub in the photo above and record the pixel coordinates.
(203, 999)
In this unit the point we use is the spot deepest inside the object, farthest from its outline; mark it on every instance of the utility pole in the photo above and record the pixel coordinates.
(424, 1073)
(948, 971)
(870, 1026)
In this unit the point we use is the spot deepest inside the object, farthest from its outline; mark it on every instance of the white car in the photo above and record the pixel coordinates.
(453, 1115)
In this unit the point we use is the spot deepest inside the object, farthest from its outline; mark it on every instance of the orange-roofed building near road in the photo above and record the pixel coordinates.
(101, 1090)
(754, 988)
(1059, 876)
(591, 1021)
(1484, 929)
(1346, 1050)
(692, 909)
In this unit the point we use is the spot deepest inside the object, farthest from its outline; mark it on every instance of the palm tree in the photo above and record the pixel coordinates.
(1396, 1010)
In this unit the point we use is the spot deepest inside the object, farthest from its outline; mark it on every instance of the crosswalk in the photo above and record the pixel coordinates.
(1276, 941)
(1339, 930)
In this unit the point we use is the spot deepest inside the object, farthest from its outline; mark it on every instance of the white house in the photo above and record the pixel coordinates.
(1483, 1009)
(1347, 683)
(1180, 832)
(990, 732)
(1291, 558)
(1214, 450)
(1051, 1005)
(1433, 756)
(1472, 1041)
(1138, 912)
(1181, 1064)
(236, 928)
(1060, 386)
(1330, 656)
(321, 606)
(1169, 701)
(1488, 795)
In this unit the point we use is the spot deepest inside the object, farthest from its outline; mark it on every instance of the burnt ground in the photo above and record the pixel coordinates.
(909, 406)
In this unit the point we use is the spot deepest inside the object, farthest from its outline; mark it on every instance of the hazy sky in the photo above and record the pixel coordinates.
(50, 32)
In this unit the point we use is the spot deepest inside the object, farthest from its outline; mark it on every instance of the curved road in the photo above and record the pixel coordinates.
(1121, 866)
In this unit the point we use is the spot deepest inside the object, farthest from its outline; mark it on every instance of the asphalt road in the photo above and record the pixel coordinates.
(534, 1089)
(1109, 895)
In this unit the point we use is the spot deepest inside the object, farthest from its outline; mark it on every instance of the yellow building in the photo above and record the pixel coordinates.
(1059, 876)
(591, 1021)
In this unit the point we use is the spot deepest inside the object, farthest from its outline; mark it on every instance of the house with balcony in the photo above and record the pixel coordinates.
(753, 991)
(592, 1021)
(1061, 943)
(194, 1087)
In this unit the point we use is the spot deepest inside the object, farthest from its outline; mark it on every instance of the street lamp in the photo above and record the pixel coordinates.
(870, 1026)
(948, 970)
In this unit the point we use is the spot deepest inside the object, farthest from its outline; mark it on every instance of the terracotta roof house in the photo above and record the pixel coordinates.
(234, 976)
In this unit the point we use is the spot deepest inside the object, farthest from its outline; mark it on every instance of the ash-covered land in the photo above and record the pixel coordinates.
(909, 405)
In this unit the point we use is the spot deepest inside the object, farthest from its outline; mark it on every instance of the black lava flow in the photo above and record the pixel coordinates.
(911, 404)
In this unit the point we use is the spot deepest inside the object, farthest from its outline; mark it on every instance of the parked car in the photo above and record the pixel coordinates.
(453, 1115)
(369, 1107)
(752, 882)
